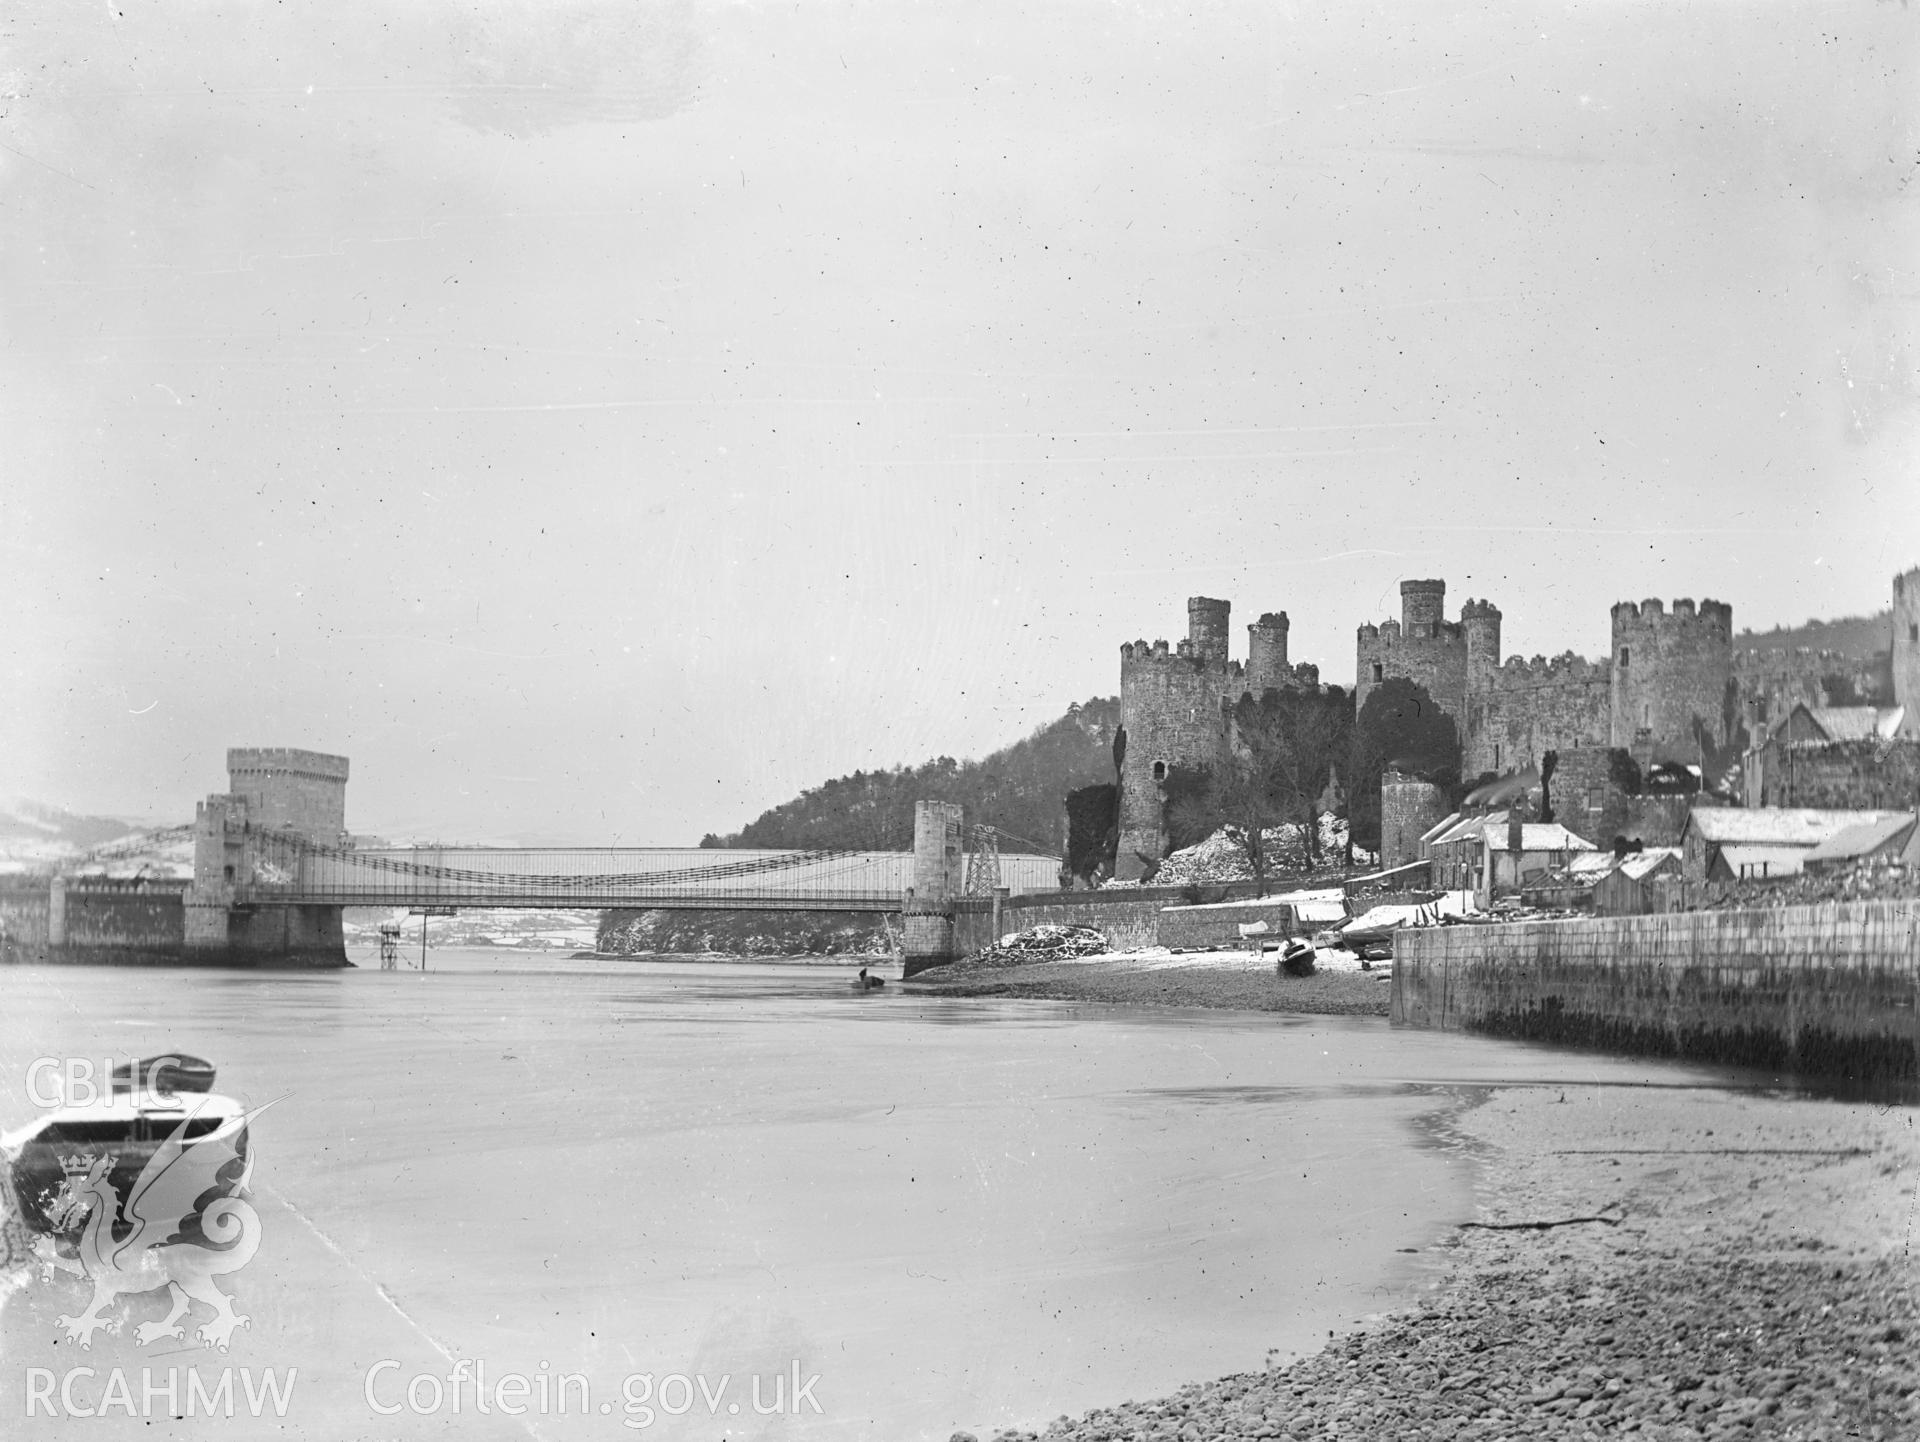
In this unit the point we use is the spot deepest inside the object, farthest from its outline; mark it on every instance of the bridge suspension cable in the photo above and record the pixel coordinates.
(675, 877)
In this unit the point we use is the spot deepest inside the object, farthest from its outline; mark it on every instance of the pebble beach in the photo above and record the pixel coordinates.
(1663, 1261)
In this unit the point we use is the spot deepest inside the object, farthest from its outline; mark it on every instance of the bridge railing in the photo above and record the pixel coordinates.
(288, 871)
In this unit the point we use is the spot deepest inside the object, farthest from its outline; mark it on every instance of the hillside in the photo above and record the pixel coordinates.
(1020, 789)
(36, 837)
(1863, 637)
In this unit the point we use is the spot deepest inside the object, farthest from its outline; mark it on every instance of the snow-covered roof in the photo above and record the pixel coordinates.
(1644, 863)
(1468, 828)
(1325, 896)
(1391, 915)
(1775, 825)
(1439, 826)
(1860, 839)
(1539, 836)
(1591, 863)
(1857, 723)
(1761, 860)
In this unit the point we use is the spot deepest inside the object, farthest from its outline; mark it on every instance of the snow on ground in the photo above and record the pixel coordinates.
(1158, 958)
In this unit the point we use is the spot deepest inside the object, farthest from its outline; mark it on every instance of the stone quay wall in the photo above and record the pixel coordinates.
(1130, 918)
(1209, 928)
(91, 920)
(1816, 990)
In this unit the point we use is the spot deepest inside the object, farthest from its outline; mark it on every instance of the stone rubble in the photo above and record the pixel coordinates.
(1040, 943)
(1874, 879)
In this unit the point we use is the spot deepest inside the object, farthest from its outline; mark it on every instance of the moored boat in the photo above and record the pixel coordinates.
(149, 1100)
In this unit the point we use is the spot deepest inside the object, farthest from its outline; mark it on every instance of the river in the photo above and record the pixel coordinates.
(919, 1214)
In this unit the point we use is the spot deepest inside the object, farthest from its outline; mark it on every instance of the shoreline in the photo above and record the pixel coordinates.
(1229, 980)
(1714, 1263)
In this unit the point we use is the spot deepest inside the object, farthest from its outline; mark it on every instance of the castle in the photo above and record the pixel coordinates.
(1666, 687)
(1172, 712)
(1671, 692)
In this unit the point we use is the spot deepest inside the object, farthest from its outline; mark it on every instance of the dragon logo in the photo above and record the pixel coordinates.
(150, 1241)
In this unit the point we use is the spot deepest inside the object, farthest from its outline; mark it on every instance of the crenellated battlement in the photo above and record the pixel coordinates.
(1517, 673)
(1160, 653)
(1479, 611)
(285, 761)
(1652, 613)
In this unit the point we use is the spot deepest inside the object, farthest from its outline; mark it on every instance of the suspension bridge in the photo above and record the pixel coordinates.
(274, 867)
(288, 870)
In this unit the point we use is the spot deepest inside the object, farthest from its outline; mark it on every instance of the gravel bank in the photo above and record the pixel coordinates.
(1219, 979)
(1754, 1278)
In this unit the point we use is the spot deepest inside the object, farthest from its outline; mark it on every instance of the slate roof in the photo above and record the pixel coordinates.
(1538, 836)
(1591, 864)
(1774, 825)
(1764, 861)
(1857, 723)
(1863, 838)
(1644, 863)
(1467, 828)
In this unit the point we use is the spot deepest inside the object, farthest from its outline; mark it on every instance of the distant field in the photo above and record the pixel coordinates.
(1862, 636)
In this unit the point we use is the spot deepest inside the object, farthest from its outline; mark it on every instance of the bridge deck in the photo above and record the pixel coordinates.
(290, 873)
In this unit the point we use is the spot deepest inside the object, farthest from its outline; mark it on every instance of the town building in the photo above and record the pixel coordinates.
(1742, 843)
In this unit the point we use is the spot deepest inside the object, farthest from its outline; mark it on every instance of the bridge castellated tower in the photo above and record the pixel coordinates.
(1671, 670)
(1906, 648)
(269, 790)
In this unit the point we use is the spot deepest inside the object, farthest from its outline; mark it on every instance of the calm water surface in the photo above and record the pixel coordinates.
(954, 1213)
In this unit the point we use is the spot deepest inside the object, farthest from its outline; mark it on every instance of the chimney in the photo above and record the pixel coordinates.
(1516, 820)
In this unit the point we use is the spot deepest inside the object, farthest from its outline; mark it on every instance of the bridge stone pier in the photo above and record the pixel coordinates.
(288, 792)
(928, 909)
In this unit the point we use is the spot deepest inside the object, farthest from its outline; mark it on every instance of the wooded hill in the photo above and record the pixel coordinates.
(1021, 789)
(1860, 636)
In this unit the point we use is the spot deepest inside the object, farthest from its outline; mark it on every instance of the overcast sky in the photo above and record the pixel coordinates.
(601, 421)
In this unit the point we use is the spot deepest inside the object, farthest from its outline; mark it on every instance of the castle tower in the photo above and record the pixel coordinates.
(1422, 647)
(1171, 710)
(1669, 672)
(1207, 628)
(1906, 648)
(1423, 608)
(1481, 621)
(1267, 668)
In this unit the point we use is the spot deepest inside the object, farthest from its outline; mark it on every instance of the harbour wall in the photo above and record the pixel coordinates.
(1823, 990)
